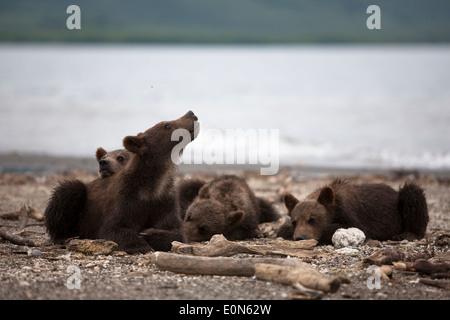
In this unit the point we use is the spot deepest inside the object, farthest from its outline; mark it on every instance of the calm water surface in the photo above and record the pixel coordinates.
(365, 106)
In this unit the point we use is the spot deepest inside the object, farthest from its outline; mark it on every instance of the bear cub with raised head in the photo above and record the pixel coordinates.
(381, 212)
(137, 207)
(112, 161)
(226, 206)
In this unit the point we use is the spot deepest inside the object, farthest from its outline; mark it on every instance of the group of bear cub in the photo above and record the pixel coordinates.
(136, 203)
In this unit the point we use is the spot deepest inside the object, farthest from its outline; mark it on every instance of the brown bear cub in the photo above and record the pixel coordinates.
(136, 207)
(187, 192)
(226, 206)
(378, 210)
(111, 162)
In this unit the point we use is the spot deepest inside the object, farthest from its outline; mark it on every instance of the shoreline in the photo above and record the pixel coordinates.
(32, 164)
(41, 273)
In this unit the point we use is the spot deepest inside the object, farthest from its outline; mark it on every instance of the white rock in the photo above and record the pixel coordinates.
(34, 252)
(351, 237)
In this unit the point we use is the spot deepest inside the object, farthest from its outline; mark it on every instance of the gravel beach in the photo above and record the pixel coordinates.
(46, 271)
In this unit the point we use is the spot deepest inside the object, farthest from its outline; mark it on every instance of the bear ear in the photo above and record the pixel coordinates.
(290, 201)
(133, 144)
(235, 217)
(326, 196)
(203, 192)
(100, 153)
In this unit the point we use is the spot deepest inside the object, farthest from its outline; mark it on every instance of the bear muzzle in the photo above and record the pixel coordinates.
(300, 237)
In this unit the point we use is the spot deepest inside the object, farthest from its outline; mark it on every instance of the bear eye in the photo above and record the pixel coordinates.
(294, 223)
(188, 218)
(311, 220)
(202, 230)
(167, 126)
(120, 159)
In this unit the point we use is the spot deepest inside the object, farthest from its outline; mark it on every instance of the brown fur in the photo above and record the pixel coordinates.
(226, 206)
(378, 210)
(187, 192)
(140, 196)
(111, 162)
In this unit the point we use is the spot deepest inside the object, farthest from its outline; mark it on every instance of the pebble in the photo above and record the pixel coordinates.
(351, 237)
(381, 295)
(348, 251)
(34, 252)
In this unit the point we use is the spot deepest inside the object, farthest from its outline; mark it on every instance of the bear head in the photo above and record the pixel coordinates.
(159, 141)
(111, 162)
(207, 217)
(310, 217)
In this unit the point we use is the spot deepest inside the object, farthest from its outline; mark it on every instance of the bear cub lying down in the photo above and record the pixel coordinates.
(136, 207)
(225, 206)
(378, 210)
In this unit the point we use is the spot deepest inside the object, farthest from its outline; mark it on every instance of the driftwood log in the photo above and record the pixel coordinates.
(30, 211)
(306, 277)
(222, 266)
(310, 283)
(389, 256)
(219, 246)
(15, 238)
(23, 215)
(437, 267)
(439, 283)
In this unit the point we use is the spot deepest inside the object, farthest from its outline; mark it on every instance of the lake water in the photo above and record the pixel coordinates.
(339, 106)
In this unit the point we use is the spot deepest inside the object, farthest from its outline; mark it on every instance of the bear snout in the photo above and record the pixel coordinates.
(191, 113)
(103, 162)
(300, 237)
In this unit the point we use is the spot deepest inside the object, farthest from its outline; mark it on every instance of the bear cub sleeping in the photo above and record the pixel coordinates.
(226, 206)
(381, 212)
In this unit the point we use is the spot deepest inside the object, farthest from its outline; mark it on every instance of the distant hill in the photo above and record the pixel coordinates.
(226, 21)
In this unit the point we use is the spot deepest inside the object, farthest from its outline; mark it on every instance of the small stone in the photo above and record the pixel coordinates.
(351, 237)
(348, 252)
(381, 295)
(24, 284)
(34, 252)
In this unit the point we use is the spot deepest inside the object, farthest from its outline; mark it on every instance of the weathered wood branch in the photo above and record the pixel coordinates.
(286, 271)
(220, 246)
(439, 283)
(222, 266)
(31, 212)
(388, 256)
(16, 239)
(306, 277)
